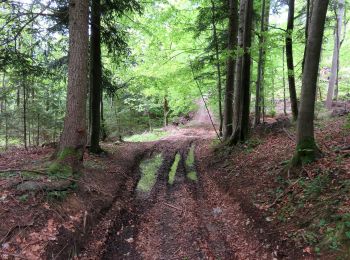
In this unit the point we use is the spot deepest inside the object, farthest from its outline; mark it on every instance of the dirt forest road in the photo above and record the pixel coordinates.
(181, 216)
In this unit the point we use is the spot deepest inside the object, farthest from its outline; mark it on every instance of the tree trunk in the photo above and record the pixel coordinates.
(95, 76)
(103, 124)
(306, 150)
(265, 10)
(336, 50)
(243, 73)
(231, 62)
(290, 62)
(166, 111)
(73, 139)
(284, 83)
(218, 66)
(24, 115)
(38, 130)
(308, 16)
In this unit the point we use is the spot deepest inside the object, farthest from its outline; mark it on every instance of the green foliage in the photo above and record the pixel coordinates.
(56, 195)
(23, 198)
(149, 170)
(173, 169)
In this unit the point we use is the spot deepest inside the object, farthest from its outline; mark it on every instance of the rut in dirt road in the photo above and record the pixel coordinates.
(176, 219)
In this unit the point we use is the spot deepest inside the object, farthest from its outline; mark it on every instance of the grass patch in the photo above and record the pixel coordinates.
(149, 169)
(172, 173)
(192, 176)
(190, 157)
(155, 135)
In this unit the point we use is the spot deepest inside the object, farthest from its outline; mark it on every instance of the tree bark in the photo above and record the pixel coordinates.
(73, 139)
(218, 66)
(243, 73)
(95, 76)
(166, 111)
(284, 83)
(306, 150)
(24, 114)
(308, 18)
(231, 62)
(336, 50)
(265, 9)
(290, 62)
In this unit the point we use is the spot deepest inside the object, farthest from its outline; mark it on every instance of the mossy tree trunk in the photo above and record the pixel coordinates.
(73, 139)
(307, 150)
(231, 62)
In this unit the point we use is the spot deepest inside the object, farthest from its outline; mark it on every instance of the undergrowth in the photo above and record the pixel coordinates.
(319, 207)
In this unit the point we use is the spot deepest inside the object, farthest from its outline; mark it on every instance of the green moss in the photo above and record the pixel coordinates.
(172, 173)
(306, 152)
(190, 157)
(59, 170)
(67, 152)
(192, 176)
(149, 169)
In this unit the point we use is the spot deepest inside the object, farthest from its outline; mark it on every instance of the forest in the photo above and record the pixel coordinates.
(174, 129)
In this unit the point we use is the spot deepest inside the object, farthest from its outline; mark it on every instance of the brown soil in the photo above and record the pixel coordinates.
(222, 215)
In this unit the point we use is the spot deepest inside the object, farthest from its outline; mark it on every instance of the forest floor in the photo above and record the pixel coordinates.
(182, 197)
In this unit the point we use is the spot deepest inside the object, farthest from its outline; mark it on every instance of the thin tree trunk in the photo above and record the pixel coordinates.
(103, 123)
(290, 62)
(284, 83)
(73, 139)
(231, 62)
(243, 72)
(306, 150)
(38, 130)
(24, 115)
(166, 111)
(218, 66)
(95, 76)
(5, 110)
(336, 50)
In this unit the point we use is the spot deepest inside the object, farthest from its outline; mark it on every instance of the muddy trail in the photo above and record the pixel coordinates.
(176, 211)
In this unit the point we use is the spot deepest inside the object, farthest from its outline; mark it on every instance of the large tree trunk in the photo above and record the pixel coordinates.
(290, 62)
(243, 73)
(336, 50)
(231, 61)
(218, 66)
(73, 139)
(265, 11)
(95, 76)
(306, 150)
